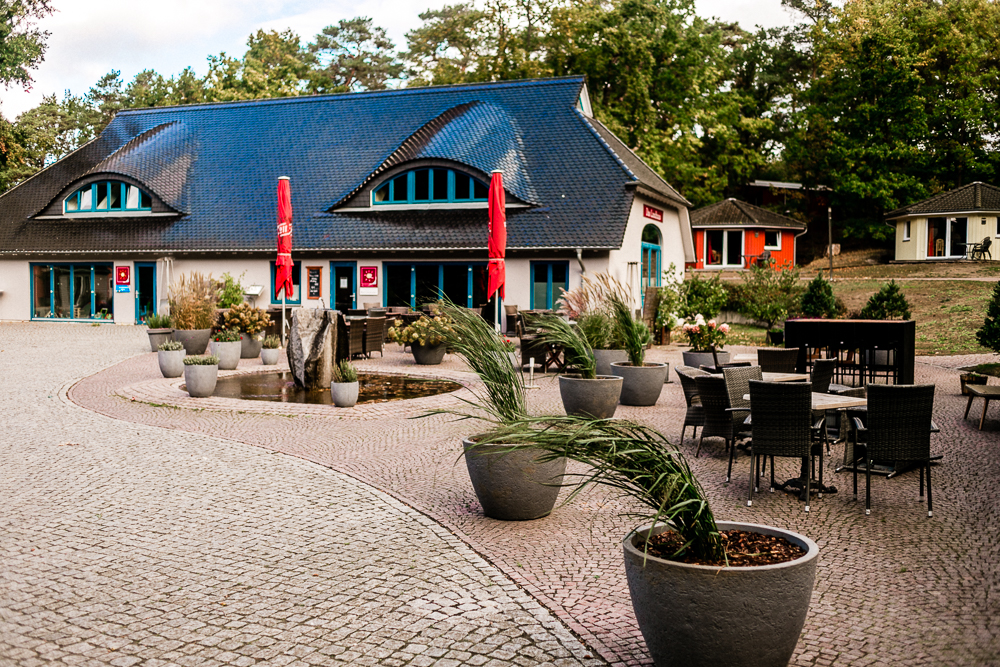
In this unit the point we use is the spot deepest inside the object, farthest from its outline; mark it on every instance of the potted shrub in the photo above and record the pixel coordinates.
(192, 308)
(601, 334)
(226, 346)
(200, 375)
(510, 486)
(160, 328)
(589, 305)
(705, 339)
(270, 351)
(704, 592)
(250, 322)
(584, 393)
(426, 338)
(642, 381)
(170, 356)
(344, 386)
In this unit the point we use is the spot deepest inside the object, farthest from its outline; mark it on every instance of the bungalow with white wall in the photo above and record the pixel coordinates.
(952, 225)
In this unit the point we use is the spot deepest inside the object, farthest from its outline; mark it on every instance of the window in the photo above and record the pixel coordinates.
(107, 197)
(772, 239)
(723, 248)
(548, 281)
(650, 258)
(72, 291)
(414, 284)
(296, 296)
(429, 186)
(906, 230)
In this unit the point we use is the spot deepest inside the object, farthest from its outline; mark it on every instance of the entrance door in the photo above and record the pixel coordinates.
(145, 290)
(344, 295)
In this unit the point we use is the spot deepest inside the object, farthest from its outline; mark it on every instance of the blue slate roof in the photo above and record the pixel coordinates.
(215, 168)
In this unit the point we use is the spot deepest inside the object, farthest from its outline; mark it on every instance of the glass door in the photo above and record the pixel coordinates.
(724, 248)
(145, 290)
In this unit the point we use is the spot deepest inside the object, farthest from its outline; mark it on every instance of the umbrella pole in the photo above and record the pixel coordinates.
(282, 317)
(496, 310)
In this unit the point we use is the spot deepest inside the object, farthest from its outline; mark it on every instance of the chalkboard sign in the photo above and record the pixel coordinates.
(315, 282)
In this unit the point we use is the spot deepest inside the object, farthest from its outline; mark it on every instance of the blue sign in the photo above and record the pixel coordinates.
(121, 288)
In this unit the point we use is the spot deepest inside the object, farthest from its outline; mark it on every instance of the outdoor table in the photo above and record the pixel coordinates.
(987, 393)
(746, 356)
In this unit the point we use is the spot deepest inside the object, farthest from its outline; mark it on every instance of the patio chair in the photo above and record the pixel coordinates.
(778, 360)
(983, 249)
(782, 426)
(721, 367)
(737, 386)
(822, 375)
(719, 421)
(695, 415)
(374, 336)
(898, 428)
(513, 321)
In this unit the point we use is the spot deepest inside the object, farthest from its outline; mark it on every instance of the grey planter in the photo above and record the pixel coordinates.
(171, 363)
(641, 385)
(344, 394)
(603, 359)
(269, 357)
(428, 355)
(594, 398)
(195, 341)
(158, 337)
(695, 615)
(200, 380)
(251, 345)
(698, 359)
(513, 486)
(228, 353)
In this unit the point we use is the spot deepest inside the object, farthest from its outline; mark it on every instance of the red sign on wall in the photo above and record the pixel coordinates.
(652, 213)
(369, 276)
(122, 275)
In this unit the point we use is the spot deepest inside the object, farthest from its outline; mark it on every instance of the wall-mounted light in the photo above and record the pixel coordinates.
(756, 235)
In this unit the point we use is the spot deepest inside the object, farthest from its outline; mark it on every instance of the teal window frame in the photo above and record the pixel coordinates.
(296, 280)
(411, 198)
(547, 267)
(651, 261)
(85, 267)
(122, 191)
(440, 280)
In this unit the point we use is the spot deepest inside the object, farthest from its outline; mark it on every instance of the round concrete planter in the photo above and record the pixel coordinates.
(699, 359)
(428, 355)
(641, 385)
(228, 354)
(200, 380)
(604, 358)
(590, 398)
(171, 363)
(513, 486)
(344, 394)
(694, 615)
(158, 337)
(251, 345)
(269, 357)
(195, 341)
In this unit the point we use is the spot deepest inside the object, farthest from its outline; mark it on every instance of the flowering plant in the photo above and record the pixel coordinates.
(424, 331)
(509, 344)
(246, 318)
(705, 336)
(226, 336)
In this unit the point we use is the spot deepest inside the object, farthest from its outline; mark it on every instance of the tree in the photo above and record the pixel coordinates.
(353, 55)
(888, 303)
(769, 295)
(988, 335)
(818, 299)
(22, 44)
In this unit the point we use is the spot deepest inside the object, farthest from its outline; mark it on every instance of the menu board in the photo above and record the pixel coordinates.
(314, 282)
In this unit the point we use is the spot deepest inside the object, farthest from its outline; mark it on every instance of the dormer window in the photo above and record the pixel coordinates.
(430, 186)
(107, 197)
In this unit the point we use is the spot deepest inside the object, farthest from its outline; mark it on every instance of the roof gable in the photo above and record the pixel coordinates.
(974, 197)
(736, 213)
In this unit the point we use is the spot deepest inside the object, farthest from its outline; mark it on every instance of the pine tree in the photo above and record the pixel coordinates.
(818, 300)
(887, 304)
(989, 334)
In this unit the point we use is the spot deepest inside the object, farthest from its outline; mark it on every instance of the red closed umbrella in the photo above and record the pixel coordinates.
(283, 265)
(497, 243)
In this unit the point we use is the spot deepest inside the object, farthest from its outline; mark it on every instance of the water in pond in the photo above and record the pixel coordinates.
(374, 388)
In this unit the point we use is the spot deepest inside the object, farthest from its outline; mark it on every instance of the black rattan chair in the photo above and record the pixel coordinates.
(737, 386)
(822, 375)
(777, 359)
(898, 429)
(782, 426)
(374, 335)
(720, 421)
(695, 415)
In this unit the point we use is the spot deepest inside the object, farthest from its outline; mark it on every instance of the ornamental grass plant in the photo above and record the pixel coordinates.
(344, 372)
(578, 352)
(192, 301)
(159, 322)
(202, 360)
(635, 335)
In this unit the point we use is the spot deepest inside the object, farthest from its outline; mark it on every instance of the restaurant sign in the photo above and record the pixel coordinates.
(652, 213)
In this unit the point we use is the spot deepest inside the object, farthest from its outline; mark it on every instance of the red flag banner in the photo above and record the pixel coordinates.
(283, 277)
(498, 236)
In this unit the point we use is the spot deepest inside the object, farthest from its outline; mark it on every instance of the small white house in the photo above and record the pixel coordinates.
(949, 225)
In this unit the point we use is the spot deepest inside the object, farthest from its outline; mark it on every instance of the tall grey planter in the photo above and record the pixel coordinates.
(270, 356)
(228, 353)
(251, 345)
(641, 385)
(604, 358)
(590, 398)
(171, 362)
(158, 337)
(195, 341)
(513, 486)
(200, 380)
(694, 615)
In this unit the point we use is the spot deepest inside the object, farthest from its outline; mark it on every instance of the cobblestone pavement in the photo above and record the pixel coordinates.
(892, 588)
(128, 544)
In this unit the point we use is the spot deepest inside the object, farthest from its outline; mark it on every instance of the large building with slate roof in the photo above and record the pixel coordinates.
(730, 233)
(947, 225)
(389, 198)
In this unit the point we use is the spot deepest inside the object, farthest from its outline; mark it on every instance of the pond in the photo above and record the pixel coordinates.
(374, 388)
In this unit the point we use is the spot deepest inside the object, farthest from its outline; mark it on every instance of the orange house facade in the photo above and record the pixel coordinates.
(733, 234)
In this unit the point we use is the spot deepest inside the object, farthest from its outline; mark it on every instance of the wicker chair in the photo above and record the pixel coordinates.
(737, 386)
(899, 429)
(719, 420)
(695, 415)
(782, 426)
(822, 375)
(374, 336)
(513, 321)
(778, 360)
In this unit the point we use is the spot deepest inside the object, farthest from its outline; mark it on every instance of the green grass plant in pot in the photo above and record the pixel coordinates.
(344, 385)
(270, 351)
(250, 322)
(226, 346)
(192, 308)
(704, 592)
(201, 372)
(160, 329)
(642, 381)
(510, 486)
(170, 357)
(590, 306)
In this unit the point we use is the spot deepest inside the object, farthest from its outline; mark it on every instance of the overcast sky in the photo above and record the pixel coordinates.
(92, 37)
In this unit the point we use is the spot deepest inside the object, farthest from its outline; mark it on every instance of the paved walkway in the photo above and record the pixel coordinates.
(129, 544)
(893, 588)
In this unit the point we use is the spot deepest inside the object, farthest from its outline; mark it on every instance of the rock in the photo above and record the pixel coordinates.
(311, 342)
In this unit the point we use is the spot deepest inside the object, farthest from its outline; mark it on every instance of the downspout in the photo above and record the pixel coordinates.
(795, 242)
(579, 259)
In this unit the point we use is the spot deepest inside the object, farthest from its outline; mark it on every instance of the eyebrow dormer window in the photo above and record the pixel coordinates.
(429, 186)
(107, 197)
